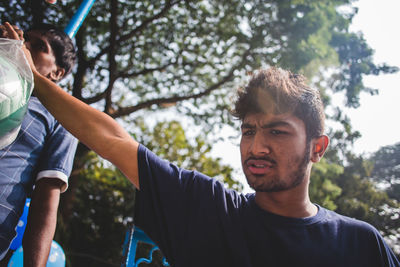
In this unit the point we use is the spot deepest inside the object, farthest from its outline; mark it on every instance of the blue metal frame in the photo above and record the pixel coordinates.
(132, 238)
(78, 18)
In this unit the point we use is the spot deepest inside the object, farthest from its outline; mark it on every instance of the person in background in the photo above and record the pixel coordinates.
(38, 163)
(196, 221)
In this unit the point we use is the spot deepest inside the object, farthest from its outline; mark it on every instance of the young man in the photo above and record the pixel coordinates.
(197, 222)
(39, 161)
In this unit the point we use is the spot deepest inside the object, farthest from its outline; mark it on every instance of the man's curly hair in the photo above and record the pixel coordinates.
(278, 91)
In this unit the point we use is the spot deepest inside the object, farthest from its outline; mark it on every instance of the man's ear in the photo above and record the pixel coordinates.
(318, 147)
(57, 74)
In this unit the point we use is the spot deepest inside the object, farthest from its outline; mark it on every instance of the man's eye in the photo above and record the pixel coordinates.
(277, 132)
(248, 133)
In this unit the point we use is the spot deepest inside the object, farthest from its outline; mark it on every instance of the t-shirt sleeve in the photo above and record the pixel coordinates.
(57, 158)
(369, 247)
(171, 200)
(387, 257)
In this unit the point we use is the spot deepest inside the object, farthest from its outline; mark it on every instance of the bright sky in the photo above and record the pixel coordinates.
(378, 117)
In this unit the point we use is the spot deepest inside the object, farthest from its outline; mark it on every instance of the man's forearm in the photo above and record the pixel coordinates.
(92, 127)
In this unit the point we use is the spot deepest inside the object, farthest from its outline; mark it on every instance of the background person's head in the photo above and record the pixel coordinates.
(278, 91)
(53, 52)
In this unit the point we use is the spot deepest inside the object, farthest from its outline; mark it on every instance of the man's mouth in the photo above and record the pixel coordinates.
(259, 166)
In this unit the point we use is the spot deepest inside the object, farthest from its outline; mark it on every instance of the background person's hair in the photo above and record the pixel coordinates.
(61, 44)
(279, 91)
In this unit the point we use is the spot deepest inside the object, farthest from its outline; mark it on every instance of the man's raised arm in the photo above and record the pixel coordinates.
(92, 127)
(95, 129)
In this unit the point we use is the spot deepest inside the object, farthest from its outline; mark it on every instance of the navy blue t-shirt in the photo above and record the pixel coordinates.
(197, 222)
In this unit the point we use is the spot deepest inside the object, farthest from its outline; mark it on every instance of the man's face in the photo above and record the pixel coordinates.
(275, 154)
(42, 54)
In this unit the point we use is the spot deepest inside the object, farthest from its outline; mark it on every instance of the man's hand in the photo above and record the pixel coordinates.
(4, 33)
(13, 32)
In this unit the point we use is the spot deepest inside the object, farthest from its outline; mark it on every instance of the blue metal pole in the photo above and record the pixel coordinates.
(78, 18)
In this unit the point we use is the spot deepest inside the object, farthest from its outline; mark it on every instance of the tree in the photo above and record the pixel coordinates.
(323, 189)
(387, 169)
(387, 164)
(386, 173)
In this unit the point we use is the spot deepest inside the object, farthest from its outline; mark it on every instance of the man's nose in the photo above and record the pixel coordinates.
(259, 145)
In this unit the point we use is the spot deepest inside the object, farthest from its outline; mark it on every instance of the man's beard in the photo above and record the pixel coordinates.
(277, 184)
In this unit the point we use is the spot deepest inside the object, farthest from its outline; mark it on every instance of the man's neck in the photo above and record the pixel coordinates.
(293, 203)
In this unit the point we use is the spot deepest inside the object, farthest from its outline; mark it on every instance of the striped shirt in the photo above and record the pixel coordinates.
(43, 148)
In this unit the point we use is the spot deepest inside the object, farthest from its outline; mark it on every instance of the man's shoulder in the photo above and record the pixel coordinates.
(346, 222)
(362, 237)
(150, 165)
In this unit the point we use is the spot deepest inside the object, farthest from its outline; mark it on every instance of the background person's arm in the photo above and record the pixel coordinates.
(42, 220)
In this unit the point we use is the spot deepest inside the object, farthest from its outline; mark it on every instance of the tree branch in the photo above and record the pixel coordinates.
(144, 71)
(146, 22)
(82, 67)
(123, 111)
(112, 71)
(135, 31)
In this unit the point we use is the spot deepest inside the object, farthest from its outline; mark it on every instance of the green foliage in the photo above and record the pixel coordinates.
(387, 164)
(322, 188)
(394, 191)
(309, 29)
(386, 173)
(386, 169)
(341, 139)
(356, 57)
